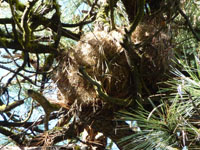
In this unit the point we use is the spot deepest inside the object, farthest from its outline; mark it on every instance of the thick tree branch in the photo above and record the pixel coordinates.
(38, 20)
(5, 108)
(27, 124)
(58, 134)
(101, 121)
(6, 21)
(35, 47)
(46, 105)
(131, 7)
(11, 135)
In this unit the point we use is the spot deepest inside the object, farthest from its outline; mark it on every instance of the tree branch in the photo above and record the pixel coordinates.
(46, 105)
(11, 135)
(138, 17)
(58, 135)
(13, 71)
(10, 106)
(35, 47)
(188, 23)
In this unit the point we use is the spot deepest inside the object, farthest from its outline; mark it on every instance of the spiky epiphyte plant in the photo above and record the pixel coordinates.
(174, 124)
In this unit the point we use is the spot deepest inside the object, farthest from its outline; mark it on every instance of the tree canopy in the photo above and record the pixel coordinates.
(87, 74)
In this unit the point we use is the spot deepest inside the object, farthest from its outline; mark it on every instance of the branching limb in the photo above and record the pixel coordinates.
(129, 48)
(13, 71)
(29, 124)
(39, 20)
(11, 135)
(25, 26)
(35, 47)
(58, 134)
(26, 59)
(46, 105)
(6, 108)
(138, 18)
(81, 23)
(14, 15)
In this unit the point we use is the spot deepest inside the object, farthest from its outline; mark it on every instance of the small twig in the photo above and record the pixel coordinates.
(20, 88)
(37, 67)
(11, 56)
(14, 16)
(38, 71)
(81, 23)
(155, 109)
(3, 76)
(13, 71)
(18, 70)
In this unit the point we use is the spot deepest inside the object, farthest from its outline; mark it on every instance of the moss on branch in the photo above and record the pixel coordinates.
(46, 105)
(16, 138)
(35, 47)
(10, 106)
